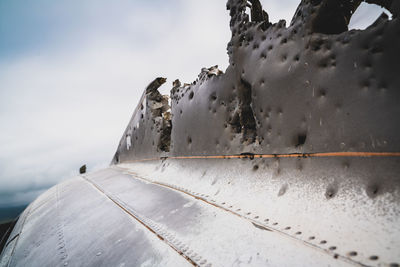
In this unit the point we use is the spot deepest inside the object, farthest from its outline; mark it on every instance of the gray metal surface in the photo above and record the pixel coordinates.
(219, 212)
(288, 89)
(73, 224)
(122, 219)
(311, 200)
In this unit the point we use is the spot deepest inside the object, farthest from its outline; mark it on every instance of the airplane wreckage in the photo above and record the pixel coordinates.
(291, 157)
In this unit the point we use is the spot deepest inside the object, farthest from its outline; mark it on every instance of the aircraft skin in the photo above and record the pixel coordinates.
(288, 158)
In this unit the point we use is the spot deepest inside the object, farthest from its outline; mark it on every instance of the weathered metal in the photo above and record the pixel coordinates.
(290, 157)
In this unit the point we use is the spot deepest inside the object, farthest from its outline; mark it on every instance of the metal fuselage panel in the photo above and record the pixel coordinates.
(123, 218)
(290, 157)
(73, 224)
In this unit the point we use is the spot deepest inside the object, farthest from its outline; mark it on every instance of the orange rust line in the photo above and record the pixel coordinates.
(293, 155)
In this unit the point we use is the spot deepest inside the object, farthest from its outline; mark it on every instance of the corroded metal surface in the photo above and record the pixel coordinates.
(288, 89)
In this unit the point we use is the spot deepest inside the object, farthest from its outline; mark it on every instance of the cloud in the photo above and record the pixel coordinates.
(365, 15)
(66, 99)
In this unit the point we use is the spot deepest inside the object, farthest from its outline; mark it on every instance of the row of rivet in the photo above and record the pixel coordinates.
(160, 231)
(311, 240)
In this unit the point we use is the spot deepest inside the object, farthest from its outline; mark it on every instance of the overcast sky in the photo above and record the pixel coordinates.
(72, 71)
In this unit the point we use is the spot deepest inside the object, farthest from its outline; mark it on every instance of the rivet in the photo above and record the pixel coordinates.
(352, 253)
(373, 257)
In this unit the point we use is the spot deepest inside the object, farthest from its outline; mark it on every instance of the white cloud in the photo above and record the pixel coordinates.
(365, 15)
(69, 105)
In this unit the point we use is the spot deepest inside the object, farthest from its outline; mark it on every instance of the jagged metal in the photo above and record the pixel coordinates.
(336, 91)
(289, 157)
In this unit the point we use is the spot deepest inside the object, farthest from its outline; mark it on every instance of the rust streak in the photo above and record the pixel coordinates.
(293, 155)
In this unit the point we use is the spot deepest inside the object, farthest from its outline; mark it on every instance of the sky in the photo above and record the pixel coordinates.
(72, 72)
